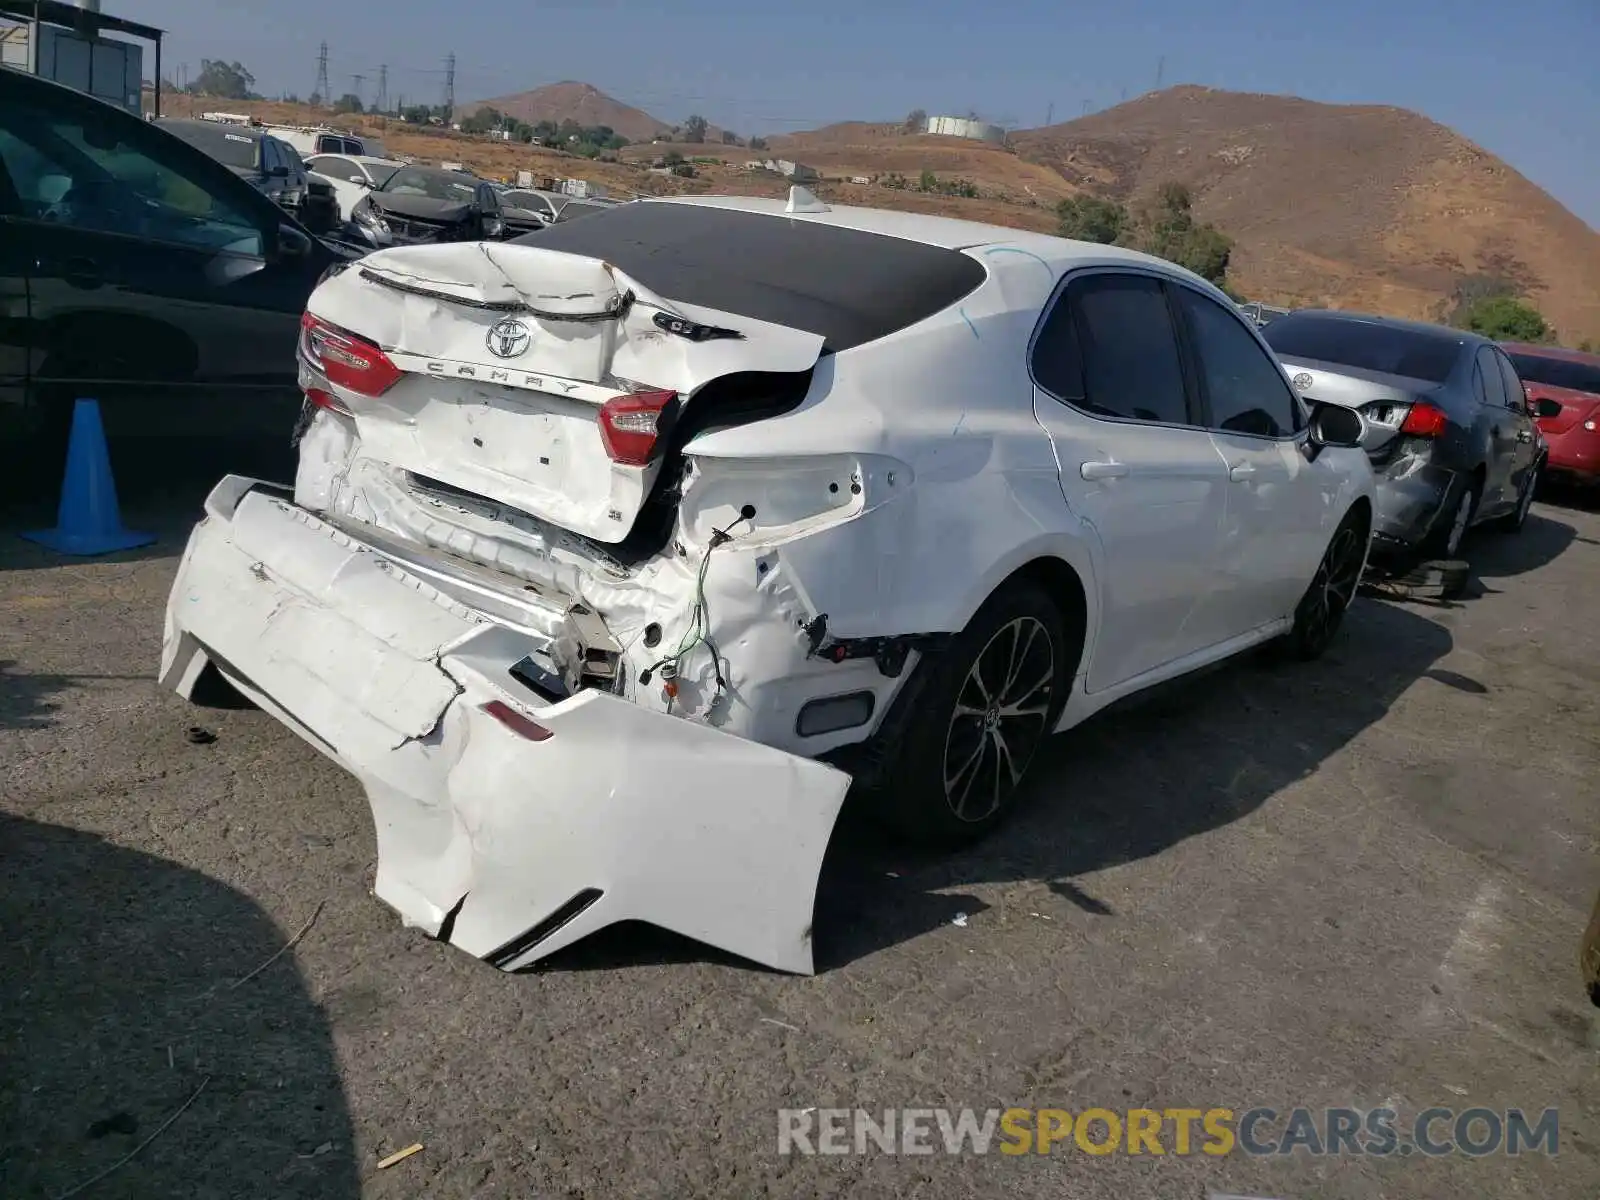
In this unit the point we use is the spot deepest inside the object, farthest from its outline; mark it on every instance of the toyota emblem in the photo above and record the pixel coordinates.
(507, 338)
(1301, 381)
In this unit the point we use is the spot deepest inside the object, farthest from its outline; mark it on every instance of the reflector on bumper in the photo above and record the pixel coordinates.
(510, 847)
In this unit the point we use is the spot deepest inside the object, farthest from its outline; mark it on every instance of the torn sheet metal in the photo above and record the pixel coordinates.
(513, 836)
(504, 401)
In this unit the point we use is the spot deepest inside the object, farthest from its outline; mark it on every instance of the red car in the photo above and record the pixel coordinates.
(1563, 388)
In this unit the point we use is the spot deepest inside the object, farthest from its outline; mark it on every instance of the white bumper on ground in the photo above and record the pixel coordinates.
(506, 846)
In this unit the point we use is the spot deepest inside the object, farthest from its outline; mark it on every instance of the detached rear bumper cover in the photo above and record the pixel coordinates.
(509, 848)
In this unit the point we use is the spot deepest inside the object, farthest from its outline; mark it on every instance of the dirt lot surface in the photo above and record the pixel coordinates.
(1356, 883)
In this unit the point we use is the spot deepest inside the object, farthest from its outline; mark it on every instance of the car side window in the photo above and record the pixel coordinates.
(336, 168)
(269, 155)
(1244, 386)
(1516, 397)
(75, 167)
(1494, 388)
(489, 199)
(1126, 346)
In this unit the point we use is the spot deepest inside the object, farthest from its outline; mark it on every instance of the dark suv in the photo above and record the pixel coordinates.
(138, 271)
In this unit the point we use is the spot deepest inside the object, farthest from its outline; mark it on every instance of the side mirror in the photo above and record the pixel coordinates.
(493, 227)
(1334, 425)
(278, 172)
(359, 179)
(1545, 407)
(292, 243)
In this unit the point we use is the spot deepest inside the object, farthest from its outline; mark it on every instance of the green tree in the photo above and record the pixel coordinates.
(1168, 230)
(730, 138)
(1506, 319)
(694, 129)
(1090, 219)
(758, 143)
(1586, 346)
(929, 181)
(482, 121)
(348, 103)
(229, 80)
(916, 121)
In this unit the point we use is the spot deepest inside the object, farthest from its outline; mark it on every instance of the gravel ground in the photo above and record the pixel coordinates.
(1354, 883)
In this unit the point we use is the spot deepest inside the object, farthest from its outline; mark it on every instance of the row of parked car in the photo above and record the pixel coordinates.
(162, 266)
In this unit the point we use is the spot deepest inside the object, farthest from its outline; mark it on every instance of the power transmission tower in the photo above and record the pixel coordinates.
(449, 88)
(323, 88)
(1050, 113)
(1161, 71)
(382, 102)
(1086, 108)
(358, 80)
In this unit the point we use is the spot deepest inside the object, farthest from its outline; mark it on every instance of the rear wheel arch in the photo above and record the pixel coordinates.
(1060, 581)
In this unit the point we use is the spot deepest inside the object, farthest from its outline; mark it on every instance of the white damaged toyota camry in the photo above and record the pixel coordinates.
(615, 552)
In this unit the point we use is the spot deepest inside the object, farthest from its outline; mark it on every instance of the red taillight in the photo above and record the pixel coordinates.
(519, 723)
(1425, 420)
(347, 360)
(629, 425)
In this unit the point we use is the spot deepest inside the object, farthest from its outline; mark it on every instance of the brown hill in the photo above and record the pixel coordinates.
(1359, 206)
(580, 102)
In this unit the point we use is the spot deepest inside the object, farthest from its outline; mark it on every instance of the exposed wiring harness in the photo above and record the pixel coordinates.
(699, 631)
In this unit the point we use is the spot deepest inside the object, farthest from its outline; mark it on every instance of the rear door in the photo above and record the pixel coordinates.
(1279, 516)
(1500, 430)
(1136, 464)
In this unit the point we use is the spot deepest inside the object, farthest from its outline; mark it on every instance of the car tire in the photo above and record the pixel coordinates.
(955, 756)
(1454, 521)
(1514, 520)
(1321, 610)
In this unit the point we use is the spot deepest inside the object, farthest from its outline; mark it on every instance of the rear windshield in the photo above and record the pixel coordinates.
(1365, 345)
(1557, 372)
(216, 140)
(847, 286)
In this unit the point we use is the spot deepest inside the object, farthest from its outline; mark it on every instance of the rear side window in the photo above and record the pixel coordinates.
(1493, 387)
(1125, 347)
(1365, 345)
(1516, 398)
(847, 286)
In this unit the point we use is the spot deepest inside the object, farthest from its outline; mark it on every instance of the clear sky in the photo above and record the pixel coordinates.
(1522, 81)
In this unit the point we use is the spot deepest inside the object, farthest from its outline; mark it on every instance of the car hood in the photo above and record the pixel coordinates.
(424, 207)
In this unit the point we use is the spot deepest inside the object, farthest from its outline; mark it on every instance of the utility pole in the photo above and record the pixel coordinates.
(323, 87)
(1086, 108)
(1050, 113)
(382, 102)
(449, 88)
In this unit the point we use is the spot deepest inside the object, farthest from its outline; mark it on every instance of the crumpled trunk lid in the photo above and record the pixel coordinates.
(508, 354)
(1383, 399)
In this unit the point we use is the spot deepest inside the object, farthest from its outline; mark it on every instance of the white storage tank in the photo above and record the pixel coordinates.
(966, 127)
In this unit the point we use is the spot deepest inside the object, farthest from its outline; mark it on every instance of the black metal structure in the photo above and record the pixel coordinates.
(87, 21)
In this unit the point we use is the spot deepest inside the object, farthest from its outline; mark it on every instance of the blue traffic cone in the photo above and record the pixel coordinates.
(88, 521)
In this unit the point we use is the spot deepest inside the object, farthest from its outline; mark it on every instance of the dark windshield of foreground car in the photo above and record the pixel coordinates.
(436, 185)
(1557, 372)
(216, 141)
(1365, 345)
(847, 286)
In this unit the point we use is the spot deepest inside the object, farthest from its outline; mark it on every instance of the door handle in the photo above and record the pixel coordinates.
(1103, 470)
(1242, 471)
